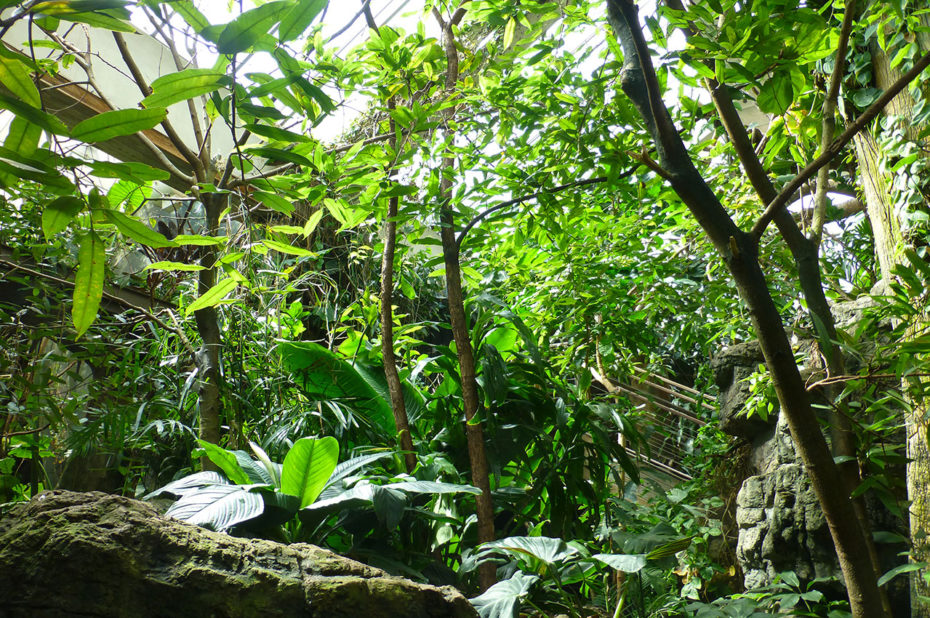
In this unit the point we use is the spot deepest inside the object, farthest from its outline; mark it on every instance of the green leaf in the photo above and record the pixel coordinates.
(22, 137)
(274, 202)
(628, 563)
(218, 507)
(296, 21)
(199, 241)
(213, 296)
(289, 249)
(273, 469)
(276, 133)
(317, 94)
(187, 84)
(225, 461)
(312, 221)
(59, 214)
(502, 600)
(132, 171)
(17, 78)
(776, 95)
(173, 266)
(324, 376)
(509, 31)
(249, 27)
(307, 467)
(108, 125)
(670, 549)
(279, 154)
(190, 14)
(136, 230)
(433, 487)
(88, 282)
(189, 484)
(546, 549)
(35, 116)
(901, 568)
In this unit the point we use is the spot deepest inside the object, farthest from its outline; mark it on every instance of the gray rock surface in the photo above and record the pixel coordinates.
(94, 554)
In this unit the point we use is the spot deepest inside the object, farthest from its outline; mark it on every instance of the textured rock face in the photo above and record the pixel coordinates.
(95, 554)
(781, 525)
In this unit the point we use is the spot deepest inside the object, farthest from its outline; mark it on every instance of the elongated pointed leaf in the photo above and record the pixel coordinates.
(273, 469)
(34, 115)
(296, 21)
(246, 30)
(173, 266)
(59, 214)
(219, 507)
(546, 549)
(108, 125)
(136, 230)
(283, 247)
(333, 484)
(187, 84)
(433, 487)
(189, 484)
(502, 600)
(307, 467)
(325, 376)
(225, 461)
(17, 78)
(213, 296)
(88, 282)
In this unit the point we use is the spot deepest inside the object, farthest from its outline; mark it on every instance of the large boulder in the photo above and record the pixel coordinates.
(94, 554)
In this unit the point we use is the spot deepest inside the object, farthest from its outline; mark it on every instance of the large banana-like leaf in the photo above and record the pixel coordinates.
(219, 507)
(325, 376)
(189, 484)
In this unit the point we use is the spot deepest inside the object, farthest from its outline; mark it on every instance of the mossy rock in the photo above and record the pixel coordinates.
(94, 554)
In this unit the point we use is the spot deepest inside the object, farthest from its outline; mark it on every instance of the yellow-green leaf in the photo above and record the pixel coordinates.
(173, 266)
(213, 296)
(274, 202)
(22, 137)
(108, 125)
(508, 32)
(286, 248)
(312, 221)
(34, 115)
(136, 230)
(59, 213)
(16, 77)
(298, 18)
(187, 84)
(200, 241)
(245, 30)
(88, 282)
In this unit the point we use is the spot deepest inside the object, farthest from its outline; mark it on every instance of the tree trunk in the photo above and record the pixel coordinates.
(474, 429)
(208, 357)
(395, 388)
(883, 212)
(739, 250)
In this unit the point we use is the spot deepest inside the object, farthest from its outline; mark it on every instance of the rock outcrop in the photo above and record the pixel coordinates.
(94, 554)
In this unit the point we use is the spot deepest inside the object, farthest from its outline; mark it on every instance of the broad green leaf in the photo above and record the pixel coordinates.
(274, 202)
(17, 78)
(628, 563)
(213, 296)
(279, 154)
(88, 282)
(307, 467)
(59, 214)
(276, 133)
(108, 125)
(34, 115)
(317, 94)
(502, 600)
(189, 484)
(543, 548)
(389, 505)
(324, 376)
(22, 137)
(296, 21)
(187, 84)
(173, 266)
(132, 171)
(136, 230)
(246, 29)
(776, 95)
(289, 249)
(346, 468)
(225, 461)
(433, 487)
(190, 14)
(219, 507)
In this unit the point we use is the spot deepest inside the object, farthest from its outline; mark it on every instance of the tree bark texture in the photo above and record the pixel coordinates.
(208, 356)
(474, 429)
(739, 250)
(883, 210)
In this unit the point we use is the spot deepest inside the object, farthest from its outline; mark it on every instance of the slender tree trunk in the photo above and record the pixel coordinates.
(740, 251)
(474, 429)
(208, 356)
(395, 389)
